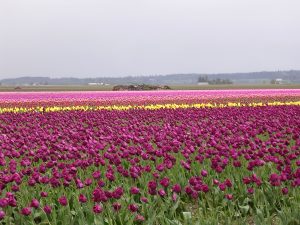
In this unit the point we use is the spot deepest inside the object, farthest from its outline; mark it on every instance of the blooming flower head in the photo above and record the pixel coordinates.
(139, 218)
(82, 198)
(15, 188)
(26, 211)
(34, 203)
(176, 188)
(174, 196)
(216, 182)
(88, 181)
(250, 190)
(134, 190)
(44, 194)
(152, 184)
(275, 179)
(63, 200)
(2, 214)
(118, 193)
(144, 199)
(3, 202)
(97, 208)
(285, 190)
(165, 182)
(47, 209)
(222, 186)
(228, 183)
(133, 207)
(162, 192)
(117, 206)
(96, 174)
(204, 173)
(229, 196)
(205, 188)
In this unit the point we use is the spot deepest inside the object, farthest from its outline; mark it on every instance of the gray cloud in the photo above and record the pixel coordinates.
(86, 38)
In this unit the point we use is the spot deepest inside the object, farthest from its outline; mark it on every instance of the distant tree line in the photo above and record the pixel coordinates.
(292, 76)
(141, 87)
(204, 79)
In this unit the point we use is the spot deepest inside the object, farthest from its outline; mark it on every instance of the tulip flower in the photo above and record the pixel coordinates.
(63, 200)
(35, 203)
(133, 208)
(285, 190)
(97, 209)
(82, 198)
(204, 173)
(229, 196)
(2, 215)
(26, 211)
(47, 209)
(117, 206)
(134, 190)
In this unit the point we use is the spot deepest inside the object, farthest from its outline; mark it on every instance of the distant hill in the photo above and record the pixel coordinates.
(292, 76)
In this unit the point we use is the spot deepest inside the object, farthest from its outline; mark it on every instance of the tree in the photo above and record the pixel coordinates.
(202, 79)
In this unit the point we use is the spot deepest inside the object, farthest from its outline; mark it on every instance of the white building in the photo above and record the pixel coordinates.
(278, 81)
(202, 83)
(94, 84)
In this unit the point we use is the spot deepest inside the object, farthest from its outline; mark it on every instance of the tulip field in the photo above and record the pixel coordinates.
(160, 157)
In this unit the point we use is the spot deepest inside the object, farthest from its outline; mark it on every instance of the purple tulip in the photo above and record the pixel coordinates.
(134, 190)
(285, 190)
(229, 196)
(162, 192)
(82, 198)
(176, 188)
(250, 190)
(44, 194)
(47, 209)
(139, 218)
(2, 215)
(144, 199)
(204, 173)
(3, 202)
(63, 200)
(133, 208)
(34, 203)
(26, 211)
(165, 182)
(116, 206)
(97, 209)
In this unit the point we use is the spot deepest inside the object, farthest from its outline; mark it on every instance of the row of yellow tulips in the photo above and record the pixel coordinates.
(147, 107)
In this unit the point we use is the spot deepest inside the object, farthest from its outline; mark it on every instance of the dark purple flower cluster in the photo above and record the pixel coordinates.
(125, 159)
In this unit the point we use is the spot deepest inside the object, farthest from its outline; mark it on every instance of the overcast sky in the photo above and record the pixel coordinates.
(94, 38)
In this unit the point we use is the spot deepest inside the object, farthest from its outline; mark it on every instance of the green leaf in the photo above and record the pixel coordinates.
(38, 214)
(245, 208)
(98, 221)
(246, 201)
(173, 222)
(259, 213)
(187, 215)
(173, 209)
